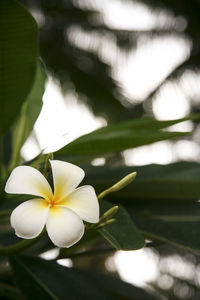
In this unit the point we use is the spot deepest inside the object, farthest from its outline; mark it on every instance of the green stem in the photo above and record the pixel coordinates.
(47, 166)
(36, 160)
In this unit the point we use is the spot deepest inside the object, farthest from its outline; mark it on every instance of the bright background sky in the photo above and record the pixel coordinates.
(62, 120)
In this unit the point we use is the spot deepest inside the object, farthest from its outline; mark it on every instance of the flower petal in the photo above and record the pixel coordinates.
(64, 227)
(66, 177)
(29, 218)
(83, 201)
(28, 180)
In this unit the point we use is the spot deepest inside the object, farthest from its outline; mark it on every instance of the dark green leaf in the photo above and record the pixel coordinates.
(174, 181)
(115, 138)
(147, 123)
(178, 227)
(29, 113)
(18, 59)
(122, 234)
(118, 289)
(9, 292)
(34, 100)
(37, 277)
(45, 280)
(162, 200)
(6, 147)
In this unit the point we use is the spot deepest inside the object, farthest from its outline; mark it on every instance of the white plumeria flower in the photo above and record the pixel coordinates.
(63, 211)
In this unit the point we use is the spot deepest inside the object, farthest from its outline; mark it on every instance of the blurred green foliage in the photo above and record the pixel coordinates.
(161, 205)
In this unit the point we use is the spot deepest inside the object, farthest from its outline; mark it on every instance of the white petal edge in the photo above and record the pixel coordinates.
(66, 177)
(83, 201)
(28, 180)
(64, 227)
(28, 219)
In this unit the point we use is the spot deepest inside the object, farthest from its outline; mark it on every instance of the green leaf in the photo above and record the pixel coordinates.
(40, 279)
(45, 280)
(156, 182)
(180, 228)
(8, 291)
(115, 138)
(118, 289)
(162, 200)
(6, 148)
(122, 234)
(29, 114)
(18, 59)
(149, 123)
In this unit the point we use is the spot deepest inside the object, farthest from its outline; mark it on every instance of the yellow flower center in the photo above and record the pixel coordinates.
(52, 201)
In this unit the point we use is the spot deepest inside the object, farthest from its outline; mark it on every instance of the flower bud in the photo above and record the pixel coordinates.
(119, 185)
(110, 212)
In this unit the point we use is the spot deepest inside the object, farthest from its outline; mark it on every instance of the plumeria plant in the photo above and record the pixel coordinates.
(44, 210)
(62, 210)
